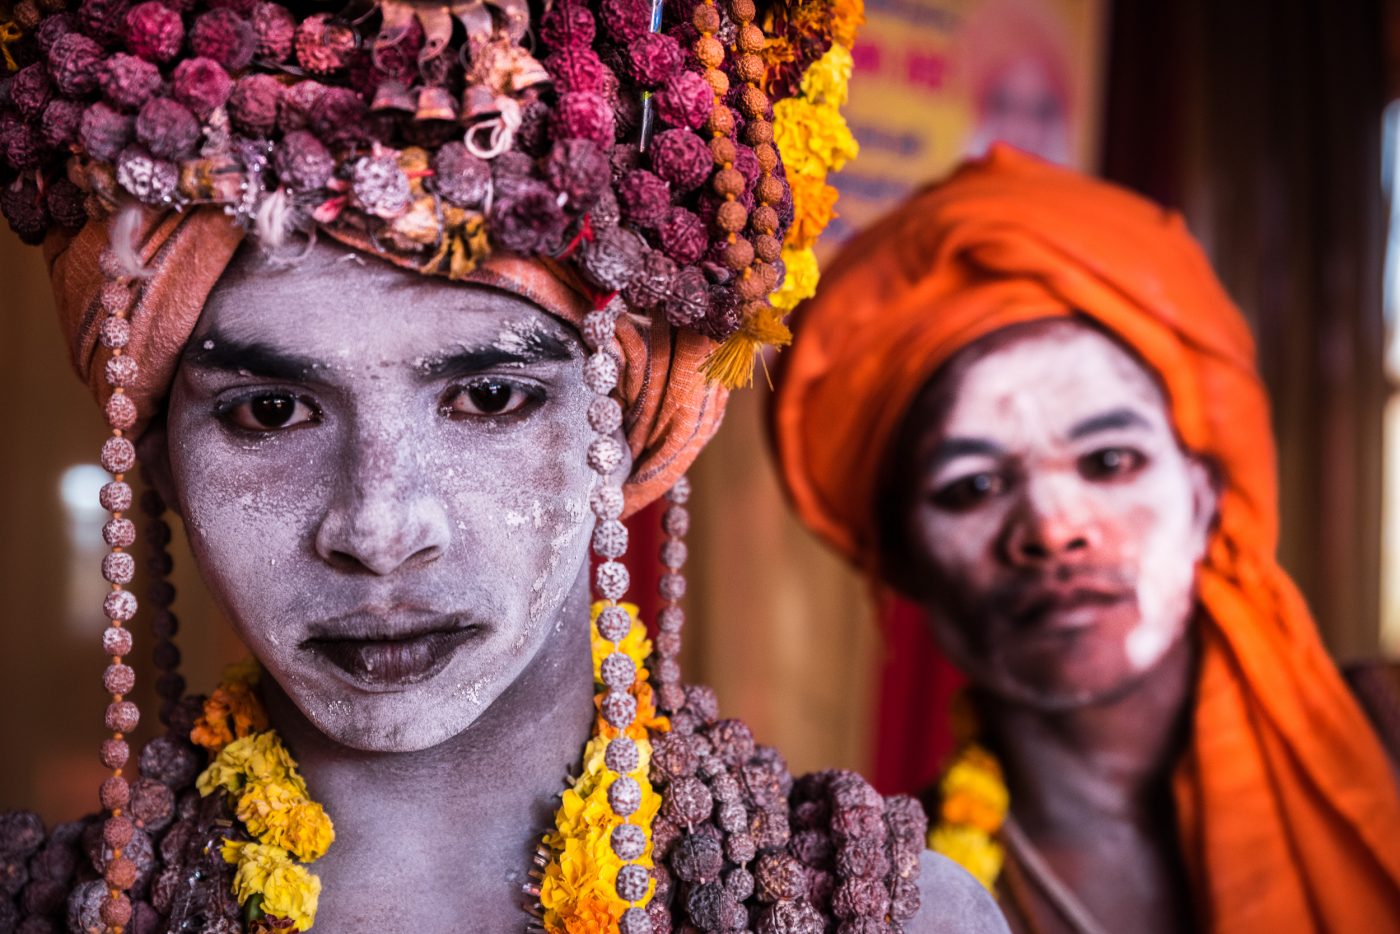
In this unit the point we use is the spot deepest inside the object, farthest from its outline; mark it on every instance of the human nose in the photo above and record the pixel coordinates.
(384, 514)
(1049, 525)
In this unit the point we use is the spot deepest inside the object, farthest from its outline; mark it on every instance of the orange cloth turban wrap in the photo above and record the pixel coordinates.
(670, 410)
(1289, 815)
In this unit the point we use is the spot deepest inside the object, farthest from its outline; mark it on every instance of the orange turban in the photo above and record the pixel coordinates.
(1289, 814)
(670, 410)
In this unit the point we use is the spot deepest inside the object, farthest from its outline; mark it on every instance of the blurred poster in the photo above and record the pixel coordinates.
(936, 80)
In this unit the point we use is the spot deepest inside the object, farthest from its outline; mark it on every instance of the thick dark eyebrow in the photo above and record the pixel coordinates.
(214, 351)
(1113, 420)
(953, 448)
(534, 348)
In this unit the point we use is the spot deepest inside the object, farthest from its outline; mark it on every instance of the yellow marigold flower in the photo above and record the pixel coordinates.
(813, 138)
(974, 850)
(591, 916)
(278, 816)
(827, 80)
(245, 670)
(813, 205)
(966, 808)
(287, 889)
(847, 16)
(801, 280)
(260, 758)
(975, 773)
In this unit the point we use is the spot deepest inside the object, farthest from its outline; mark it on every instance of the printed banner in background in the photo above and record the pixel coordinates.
(936, 80)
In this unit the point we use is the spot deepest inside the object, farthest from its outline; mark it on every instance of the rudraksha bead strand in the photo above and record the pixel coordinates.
(170, 684)
(666, 669)
(118, 567)
(618, 672)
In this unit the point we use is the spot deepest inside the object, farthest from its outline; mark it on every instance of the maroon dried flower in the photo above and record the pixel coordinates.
(528, 220)
(576, 69)
(584, 116)
(103, 20)
(24, 209)
(568, 26)
(579, 170)
(128, 81)
(275, 28)
(59, 125)
(323, 44)
(74, 60)
(104, 132)
(253, 105)
(625, 20)
(685, 100)
(655, 57)
(644, 198)
(154, 31)
(339, 118)
(460, 177)
(52, 29)
(167, 129)
(681, 158)
(30, 90)
(201, 84)
(682, 235)
(151, 180)
(225, 37)
(302, 162)
(380, 186)
(298, 103)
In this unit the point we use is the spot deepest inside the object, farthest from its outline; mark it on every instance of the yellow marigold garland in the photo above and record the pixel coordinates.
(973, 804)
(253, 767)
(815, 141)
(577, 893)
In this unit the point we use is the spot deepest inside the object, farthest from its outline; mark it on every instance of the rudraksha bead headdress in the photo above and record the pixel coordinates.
(665, 159)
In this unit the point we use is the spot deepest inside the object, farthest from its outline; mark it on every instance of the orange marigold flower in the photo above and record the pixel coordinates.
(232, 712)
(814, 205)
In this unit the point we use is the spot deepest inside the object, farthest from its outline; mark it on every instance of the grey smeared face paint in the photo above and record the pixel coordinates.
(384, 482)
(1054, 520)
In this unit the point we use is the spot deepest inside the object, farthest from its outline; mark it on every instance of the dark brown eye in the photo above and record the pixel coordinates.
(969, 492)
(271, 411)
(1111, 463)
(487, 397)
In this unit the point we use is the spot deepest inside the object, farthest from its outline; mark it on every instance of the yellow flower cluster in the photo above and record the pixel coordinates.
(271, 799)
(973, 808)
(577, 893)
(815, 141)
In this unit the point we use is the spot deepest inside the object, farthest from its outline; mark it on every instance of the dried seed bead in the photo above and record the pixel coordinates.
(709, 51)
(753, 103)
(635, 921)
(702, 702)
(751, 38)
(122, 371)
(618, 671)
(115, 496)
(116, 641)
(622, 755)
(767, 248)
(672, 758)
(599, 328)
(605, 454)
(779, 876)
(624, 795)
(738, 882)
(632, 883)
(732, 817)
(688, 802)
(904, 900)
(114, 753)
(170, 761)
(605, 415)
(723, 150)
(679, 492)
(668, 644)
(770, 189)
(671, 619)
(705, 18)
(743, 10)
(697, 859)
(707, 906)
(119, 604)
(116, 912)
(740, 848)
(118, 679)
(731, 217)
(152, 804)
(728, 183)
(748, 67)
(675, 521)
(628, 841)
(672, 586)
(670, 696)
(120, 411)
(115, 333)
(732, 740)
(118, 567)
(718, 81)
(122, 717)
(117, 831)
(619, 709)
(612, 580)
(115, 793)
(856, 898)
(720, 121)
(600, 373)
(165, 625)
(668, 671)
(614, 623)
(862, 859)
(120, 873)
(610, 539)
(606, 502)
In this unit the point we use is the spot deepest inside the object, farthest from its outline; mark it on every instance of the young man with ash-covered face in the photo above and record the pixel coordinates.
(1072, 477)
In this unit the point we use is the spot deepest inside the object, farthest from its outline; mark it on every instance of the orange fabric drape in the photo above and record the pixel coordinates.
(670, 410)
(1289, 815)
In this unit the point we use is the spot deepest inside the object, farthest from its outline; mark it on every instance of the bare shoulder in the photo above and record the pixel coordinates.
(952, 902)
